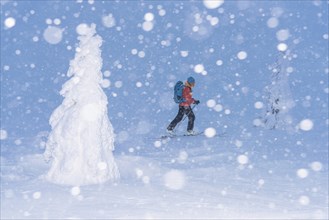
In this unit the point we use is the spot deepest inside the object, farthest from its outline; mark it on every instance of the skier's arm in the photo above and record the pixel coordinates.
(187, 94)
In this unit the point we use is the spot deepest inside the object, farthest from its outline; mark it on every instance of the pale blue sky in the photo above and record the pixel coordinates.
(146, 55)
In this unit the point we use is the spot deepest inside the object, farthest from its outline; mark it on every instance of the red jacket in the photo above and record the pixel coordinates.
(187, 95)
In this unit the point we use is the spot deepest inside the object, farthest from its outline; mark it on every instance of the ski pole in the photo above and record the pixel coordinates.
(185, 116)
(189, 112)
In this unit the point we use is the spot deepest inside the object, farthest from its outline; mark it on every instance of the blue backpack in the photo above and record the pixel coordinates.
(178, 92)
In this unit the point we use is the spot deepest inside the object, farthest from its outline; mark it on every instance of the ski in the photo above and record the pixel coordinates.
(196, 134)
(203, 134)
(168, 137)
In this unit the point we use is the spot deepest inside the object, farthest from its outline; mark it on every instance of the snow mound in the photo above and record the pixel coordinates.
(82, 139)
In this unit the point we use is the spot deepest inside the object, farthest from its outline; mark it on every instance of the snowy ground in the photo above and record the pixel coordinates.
(184, 178)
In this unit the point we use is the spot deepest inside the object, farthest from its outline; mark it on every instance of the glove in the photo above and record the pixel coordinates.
(196, 102)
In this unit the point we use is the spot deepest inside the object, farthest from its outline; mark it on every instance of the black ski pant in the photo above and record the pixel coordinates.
(187, 110)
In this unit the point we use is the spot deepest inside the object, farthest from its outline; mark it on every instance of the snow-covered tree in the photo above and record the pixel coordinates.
(81, 142)
(278, 95)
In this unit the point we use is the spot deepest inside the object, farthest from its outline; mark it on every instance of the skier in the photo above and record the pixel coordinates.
(185, 108)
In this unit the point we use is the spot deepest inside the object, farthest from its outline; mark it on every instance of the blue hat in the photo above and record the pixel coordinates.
(190, 80)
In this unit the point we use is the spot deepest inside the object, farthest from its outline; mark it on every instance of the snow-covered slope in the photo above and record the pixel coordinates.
(185, 178)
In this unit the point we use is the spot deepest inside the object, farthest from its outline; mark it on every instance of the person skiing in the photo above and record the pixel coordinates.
(185, 108)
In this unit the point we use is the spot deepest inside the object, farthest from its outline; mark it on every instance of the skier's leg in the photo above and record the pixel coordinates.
(177, 119)
(191, 117)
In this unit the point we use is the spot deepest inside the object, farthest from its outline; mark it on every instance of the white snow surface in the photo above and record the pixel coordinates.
(185, 178)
